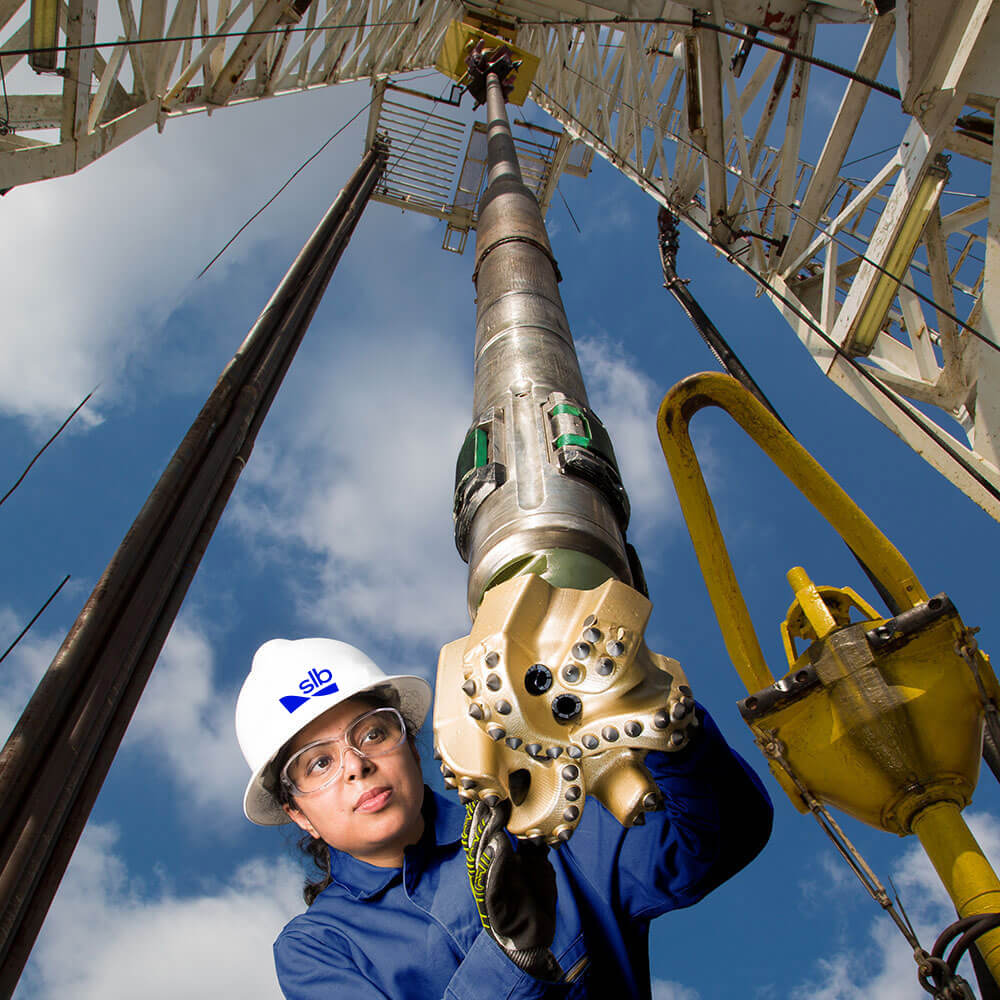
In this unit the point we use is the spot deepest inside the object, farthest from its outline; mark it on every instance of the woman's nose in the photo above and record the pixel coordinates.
(356, 765)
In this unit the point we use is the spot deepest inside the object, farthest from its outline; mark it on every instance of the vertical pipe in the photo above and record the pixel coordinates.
(964, 870)
(539, 508)
(54, 763)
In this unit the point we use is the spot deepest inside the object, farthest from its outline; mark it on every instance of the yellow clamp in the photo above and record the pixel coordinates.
(462, 36)
(879, 717)
(812, 480)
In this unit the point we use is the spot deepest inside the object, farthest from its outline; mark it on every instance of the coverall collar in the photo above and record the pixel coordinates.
(443, 820)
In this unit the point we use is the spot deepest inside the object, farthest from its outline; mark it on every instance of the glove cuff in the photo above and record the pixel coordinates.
(539, 963)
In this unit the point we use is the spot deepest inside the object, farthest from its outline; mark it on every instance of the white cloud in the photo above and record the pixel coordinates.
(627, 401)
(23, 668)
(183, 720)
(884, 967)
(346, 476)
(342, 496)
(107, 932)
(103, 256)
(665, 989)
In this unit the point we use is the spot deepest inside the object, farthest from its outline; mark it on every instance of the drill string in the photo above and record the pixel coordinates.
(749, 182)
(929, 428)
(38, 454)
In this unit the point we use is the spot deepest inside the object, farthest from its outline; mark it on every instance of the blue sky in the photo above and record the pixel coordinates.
(341, 525)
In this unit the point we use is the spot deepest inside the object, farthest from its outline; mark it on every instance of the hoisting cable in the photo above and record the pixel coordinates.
(669, 241)
(5, 126)
(38, 454)
(775, 750)
(698, 22)
(298, 170)
(38, 614)
(935, 974)
(306, 163)
(569, 210)
(734, 171)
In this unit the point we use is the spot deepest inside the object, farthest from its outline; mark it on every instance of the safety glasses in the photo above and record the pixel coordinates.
(319, 764)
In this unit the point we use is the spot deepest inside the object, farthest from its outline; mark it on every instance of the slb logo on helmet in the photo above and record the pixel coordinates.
(315, 683)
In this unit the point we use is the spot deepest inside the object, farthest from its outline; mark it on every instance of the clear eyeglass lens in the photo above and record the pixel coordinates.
(316, 766)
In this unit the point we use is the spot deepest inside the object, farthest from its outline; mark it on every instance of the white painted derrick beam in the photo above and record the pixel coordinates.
(658, 99)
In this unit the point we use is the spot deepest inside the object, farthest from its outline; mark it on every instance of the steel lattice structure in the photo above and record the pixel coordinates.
(895, 293)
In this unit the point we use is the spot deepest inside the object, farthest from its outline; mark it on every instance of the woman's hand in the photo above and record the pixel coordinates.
(515, 890)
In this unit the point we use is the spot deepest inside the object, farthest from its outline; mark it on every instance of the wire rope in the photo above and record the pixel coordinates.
(39, 453)
(697, 22)
(305, 163)
(569, 210)
(309, 160)
(5, 128)
(802, 56)
(38, 614)
(861, 159)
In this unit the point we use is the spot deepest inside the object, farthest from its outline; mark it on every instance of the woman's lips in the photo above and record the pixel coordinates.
(373, 800)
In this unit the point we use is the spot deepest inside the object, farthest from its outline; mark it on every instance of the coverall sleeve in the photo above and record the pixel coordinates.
(311, 969)
(716, 819)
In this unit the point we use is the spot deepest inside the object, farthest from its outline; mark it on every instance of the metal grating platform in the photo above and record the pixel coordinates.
(437, 158)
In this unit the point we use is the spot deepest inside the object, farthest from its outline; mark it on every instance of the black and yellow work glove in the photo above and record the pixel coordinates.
(515, 890)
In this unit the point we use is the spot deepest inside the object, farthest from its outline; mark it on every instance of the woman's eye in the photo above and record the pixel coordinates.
(319, 764)
(374, 734)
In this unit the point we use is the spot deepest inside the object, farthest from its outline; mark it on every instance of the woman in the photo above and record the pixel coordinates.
(329, 740)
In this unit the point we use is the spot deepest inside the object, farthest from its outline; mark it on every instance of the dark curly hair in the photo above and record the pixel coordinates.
(314, 848)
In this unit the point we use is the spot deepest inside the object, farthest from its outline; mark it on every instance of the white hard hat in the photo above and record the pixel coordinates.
(292, 682)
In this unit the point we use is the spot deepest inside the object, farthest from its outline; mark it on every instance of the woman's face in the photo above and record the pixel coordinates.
(372, 810)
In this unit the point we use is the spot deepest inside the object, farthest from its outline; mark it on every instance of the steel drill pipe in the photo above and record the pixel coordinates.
(524, 352)
(55, 761)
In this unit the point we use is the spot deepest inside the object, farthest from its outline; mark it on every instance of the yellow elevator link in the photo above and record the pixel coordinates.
(879, 717)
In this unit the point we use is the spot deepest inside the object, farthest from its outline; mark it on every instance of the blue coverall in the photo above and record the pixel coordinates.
(413, 933)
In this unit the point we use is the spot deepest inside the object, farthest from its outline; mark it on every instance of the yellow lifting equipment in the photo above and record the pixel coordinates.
(880, 717)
